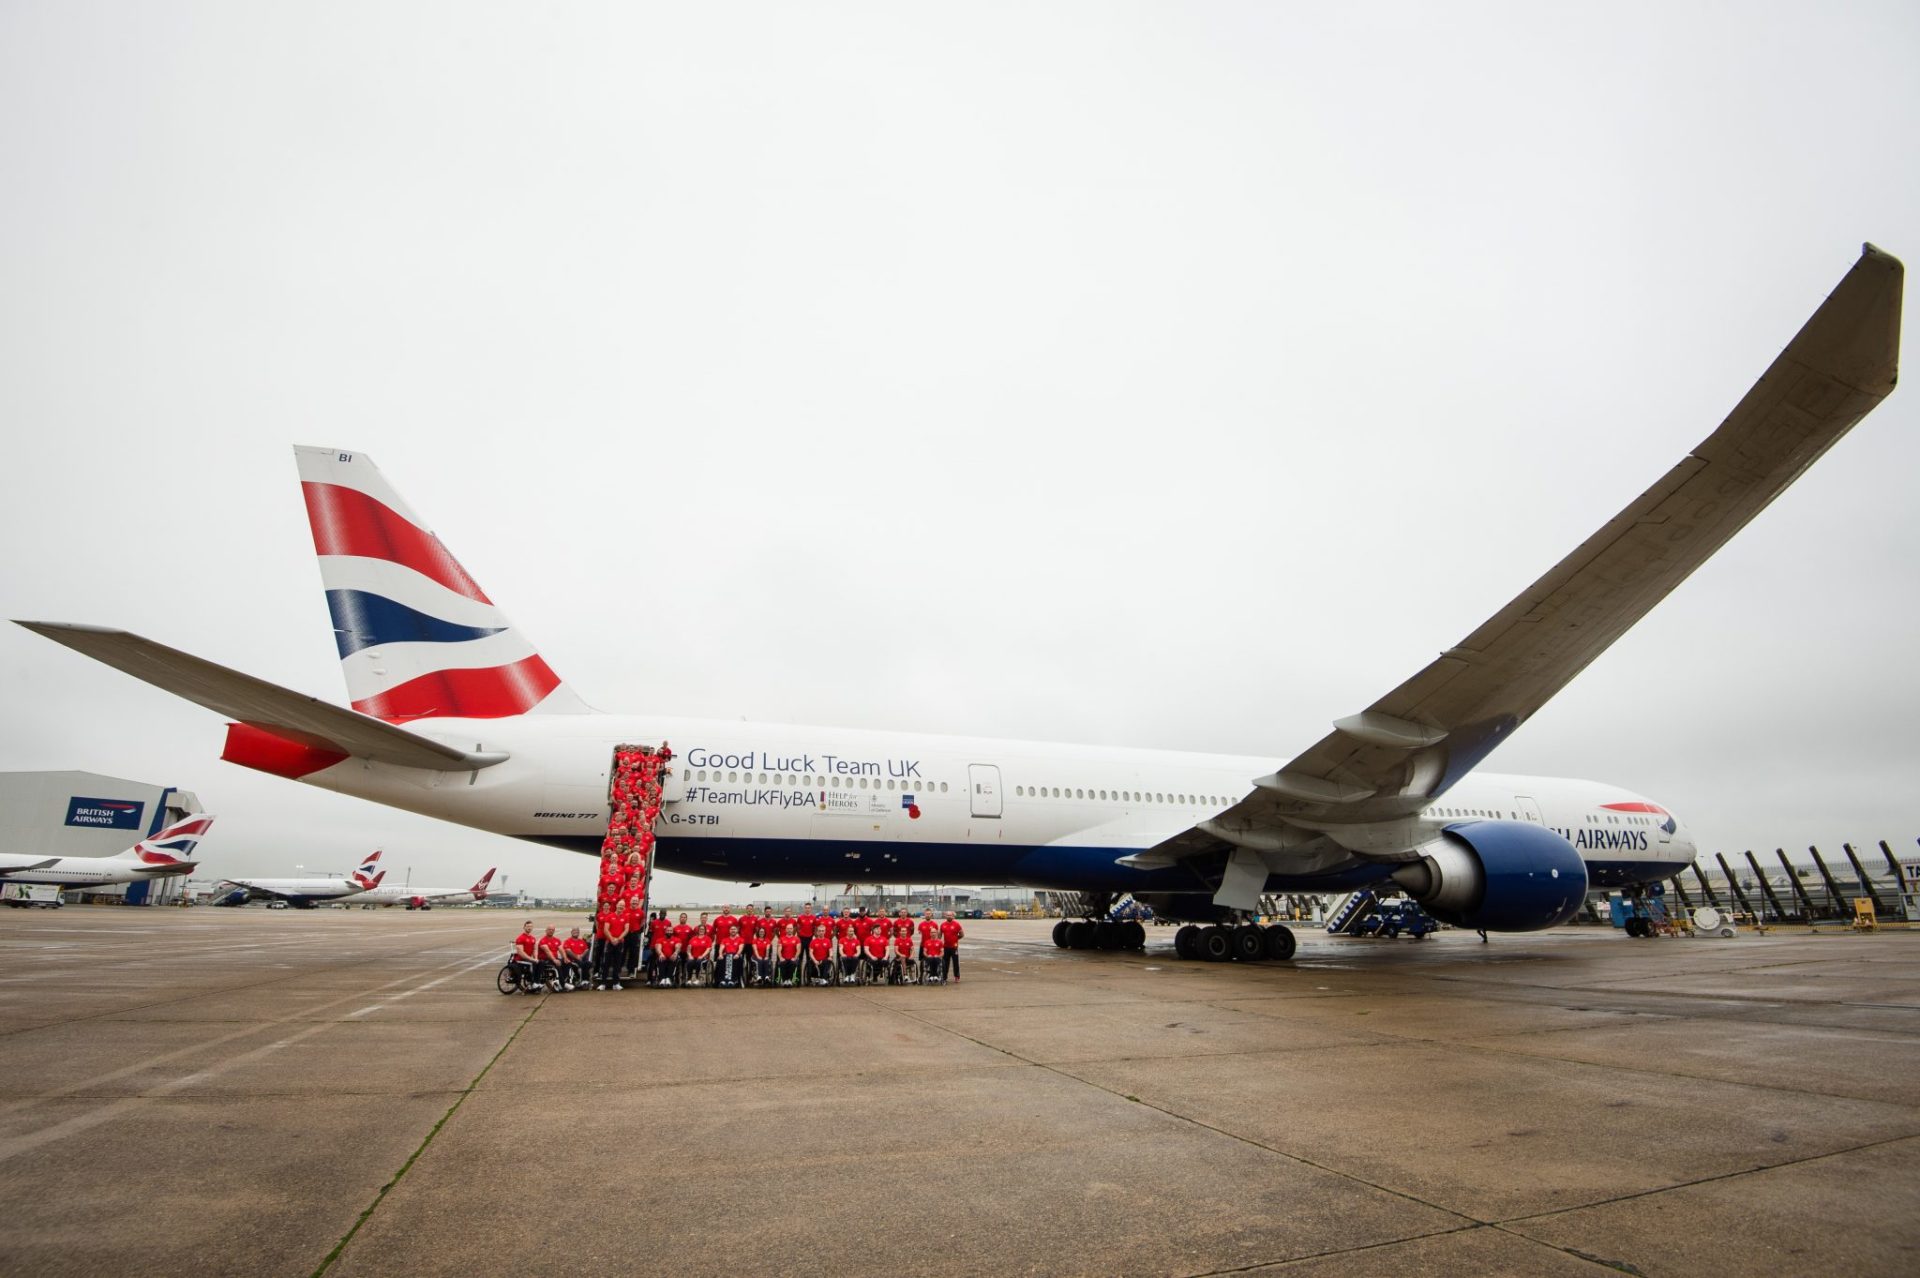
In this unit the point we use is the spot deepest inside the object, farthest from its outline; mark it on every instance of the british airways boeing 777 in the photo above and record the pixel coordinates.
(454, 714)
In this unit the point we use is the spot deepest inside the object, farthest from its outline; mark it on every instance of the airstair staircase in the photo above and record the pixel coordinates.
(634, 789)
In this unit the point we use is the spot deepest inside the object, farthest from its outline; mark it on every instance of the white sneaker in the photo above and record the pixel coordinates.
(618, 986)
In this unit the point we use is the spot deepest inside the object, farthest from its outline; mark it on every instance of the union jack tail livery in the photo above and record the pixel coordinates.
(418, 638)
(174, 845)
(364, 876)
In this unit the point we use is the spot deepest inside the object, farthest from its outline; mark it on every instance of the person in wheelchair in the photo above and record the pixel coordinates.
(524, 957)
(552, 962)
(789, 948)
(760, 957)
(849, 947)
(730, 961)
(873, 957)
(933, 957)
(820, 958)
(666, 960)
(574, 950)
(699, 962)
(902, 973)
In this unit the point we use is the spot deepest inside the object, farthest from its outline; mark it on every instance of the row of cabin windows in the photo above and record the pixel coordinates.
(1119, 796)
(1591, 819)
(820, 783)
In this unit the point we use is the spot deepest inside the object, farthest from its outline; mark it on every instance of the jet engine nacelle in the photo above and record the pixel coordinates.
(1498, 876)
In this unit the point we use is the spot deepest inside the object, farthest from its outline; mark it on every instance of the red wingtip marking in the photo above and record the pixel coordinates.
(256, 748)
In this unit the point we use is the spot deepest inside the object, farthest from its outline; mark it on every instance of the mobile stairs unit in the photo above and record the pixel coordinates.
(1368, 913)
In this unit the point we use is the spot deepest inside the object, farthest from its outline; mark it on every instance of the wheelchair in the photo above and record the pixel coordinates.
(521, 977)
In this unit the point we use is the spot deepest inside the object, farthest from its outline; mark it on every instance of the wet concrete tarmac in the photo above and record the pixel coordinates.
(276, 1093)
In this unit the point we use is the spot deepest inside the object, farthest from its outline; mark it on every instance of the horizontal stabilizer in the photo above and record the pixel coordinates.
(305, 720)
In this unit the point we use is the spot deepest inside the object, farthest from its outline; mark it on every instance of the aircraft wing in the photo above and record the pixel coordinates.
(1411, 745)
(24, 869)
(259, 704)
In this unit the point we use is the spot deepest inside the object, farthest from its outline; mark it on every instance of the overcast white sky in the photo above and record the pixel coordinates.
(1163, 375)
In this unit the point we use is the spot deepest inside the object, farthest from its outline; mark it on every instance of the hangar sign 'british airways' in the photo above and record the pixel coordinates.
(104, 814)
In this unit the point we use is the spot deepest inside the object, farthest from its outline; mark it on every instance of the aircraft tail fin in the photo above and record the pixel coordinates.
(480, 888)
(418, 638)
(364, 877)
(174, 845)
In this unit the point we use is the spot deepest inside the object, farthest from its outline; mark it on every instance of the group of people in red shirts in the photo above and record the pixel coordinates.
(752, 948)
(730, 951)
(560, 964)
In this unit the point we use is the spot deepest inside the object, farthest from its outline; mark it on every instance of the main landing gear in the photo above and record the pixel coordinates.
(1248, 943)
(1081, 934)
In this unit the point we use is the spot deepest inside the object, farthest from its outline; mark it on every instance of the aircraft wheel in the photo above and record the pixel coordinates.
(1080, 936)
(1186, 942)
(1216, 944)
(1106, 936)
(1249, 946)
(1280, 944)
(1133, 936)
(1060, 933)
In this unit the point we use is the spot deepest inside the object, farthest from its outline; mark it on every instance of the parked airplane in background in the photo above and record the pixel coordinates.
(305, 894)
(456, 715)
(422, 898)
(163, 855)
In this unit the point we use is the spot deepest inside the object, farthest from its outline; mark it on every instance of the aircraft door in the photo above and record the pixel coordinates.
(983, 789)
(1528, 809)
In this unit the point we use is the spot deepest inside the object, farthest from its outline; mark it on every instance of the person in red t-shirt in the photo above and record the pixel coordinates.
(820, 958)
(902, 925)
(849, 957)
(873, 950)
(760, 945)
(861, 926)
(844, 926)
(902, 971)
(805, 923)
(748, 925)
(730, 960)
(666, 959)
(630, 959)
(723, 924)
(933, 958)
(575, 949)
(550, 960)
(613, 947)
(927, 924)
(951, 933)
(788, 947)
(682, 930)
(699, 948)
(525, 954)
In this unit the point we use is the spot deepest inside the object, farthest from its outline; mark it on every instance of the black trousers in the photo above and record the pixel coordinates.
(630, 957)
(610, 955)
(952, 966)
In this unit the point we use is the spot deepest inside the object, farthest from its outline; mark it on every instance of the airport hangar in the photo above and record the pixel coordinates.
(91, 814)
